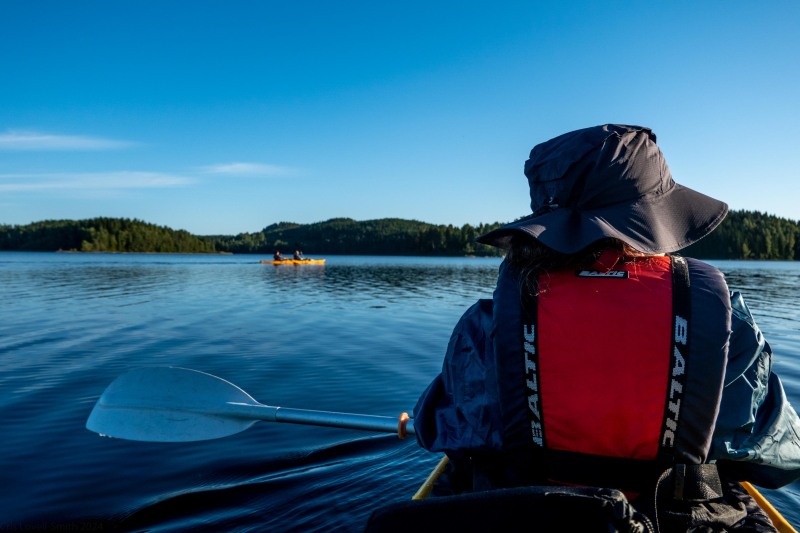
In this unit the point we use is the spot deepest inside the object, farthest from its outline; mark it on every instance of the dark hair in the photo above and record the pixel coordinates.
(530, 258)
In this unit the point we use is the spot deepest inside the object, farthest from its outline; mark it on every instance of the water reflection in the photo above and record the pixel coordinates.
(102, 282)
(362, 335)
(386, 283)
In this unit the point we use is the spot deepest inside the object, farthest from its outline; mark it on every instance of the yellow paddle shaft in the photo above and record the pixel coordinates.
(780, 523)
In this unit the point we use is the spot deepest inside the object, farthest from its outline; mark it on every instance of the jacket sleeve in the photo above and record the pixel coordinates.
(757, 435)
(458, 411)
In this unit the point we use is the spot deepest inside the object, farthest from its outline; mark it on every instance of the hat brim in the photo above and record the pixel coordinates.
(666, 223)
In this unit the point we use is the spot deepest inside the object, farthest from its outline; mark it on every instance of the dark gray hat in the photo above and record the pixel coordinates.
(609, 181)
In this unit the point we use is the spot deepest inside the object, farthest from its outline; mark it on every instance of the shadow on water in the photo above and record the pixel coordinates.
(329, 489)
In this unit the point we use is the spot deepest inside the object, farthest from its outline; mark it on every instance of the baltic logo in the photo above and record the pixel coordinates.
(532, 382)
(677, 381)
(599, 274)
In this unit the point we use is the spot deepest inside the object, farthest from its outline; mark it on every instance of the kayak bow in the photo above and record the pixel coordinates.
(778, 520)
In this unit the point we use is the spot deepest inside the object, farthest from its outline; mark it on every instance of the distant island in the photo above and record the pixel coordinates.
(742, 235)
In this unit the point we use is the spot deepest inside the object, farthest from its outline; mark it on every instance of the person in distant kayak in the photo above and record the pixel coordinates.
(298, 255)
(605, 359)
(278, 256)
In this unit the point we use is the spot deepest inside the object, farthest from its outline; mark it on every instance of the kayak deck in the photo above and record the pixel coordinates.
(778, 520)
(293, 262)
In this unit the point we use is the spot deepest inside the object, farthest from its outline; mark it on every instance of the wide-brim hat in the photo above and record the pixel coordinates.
(609, 181)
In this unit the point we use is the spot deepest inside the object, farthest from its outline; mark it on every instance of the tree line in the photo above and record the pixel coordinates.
(742, 235)
(101, 235)
(345, 236)
(750, 235)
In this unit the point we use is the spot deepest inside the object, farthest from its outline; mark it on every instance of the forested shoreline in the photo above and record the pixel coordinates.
(742, 235)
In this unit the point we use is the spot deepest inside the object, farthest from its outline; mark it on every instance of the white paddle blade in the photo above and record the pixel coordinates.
(169, 404)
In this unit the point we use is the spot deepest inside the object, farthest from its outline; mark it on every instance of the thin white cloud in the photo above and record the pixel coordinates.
(249, 169)
(34, 141)
(91, 181)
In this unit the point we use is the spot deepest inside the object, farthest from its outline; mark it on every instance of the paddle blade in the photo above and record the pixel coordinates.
(168, 404)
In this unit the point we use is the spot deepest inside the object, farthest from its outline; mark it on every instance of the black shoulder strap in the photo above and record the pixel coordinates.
(530, 345)
(676, 384)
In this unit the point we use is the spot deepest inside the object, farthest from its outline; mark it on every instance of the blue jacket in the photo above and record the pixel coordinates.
(756, 436)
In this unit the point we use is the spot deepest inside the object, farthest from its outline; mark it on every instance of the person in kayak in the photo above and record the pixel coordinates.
(604, 358)
(298, 256)
(278, 256)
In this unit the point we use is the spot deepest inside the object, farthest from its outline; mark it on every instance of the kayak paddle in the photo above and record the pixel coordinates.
(172, 404)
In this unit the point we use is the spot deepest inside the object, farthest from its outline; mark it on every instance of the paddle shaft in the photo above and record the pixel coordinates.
(384, 424)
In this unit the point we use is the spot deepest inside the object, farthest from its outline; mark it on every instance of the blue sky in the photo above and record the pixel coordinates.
(223, 117)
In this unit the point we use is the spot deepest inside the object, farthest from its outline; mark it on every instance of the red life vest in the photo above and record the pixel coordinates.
(614, 391)
(603, 360)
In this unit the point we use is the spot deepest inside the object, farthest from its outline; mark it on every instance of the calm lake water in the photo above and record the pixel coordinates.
(358, 334)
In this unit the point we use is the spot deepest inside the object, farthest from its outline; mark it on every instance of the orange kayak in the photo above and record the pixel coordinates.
(293, 262)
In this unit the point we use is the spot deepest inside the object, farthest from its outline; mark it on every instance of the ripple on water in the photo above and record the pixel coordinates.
(362, 335)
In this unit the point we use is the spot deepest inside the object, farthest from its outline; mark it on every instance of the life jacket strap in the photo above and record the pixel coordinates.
(695, 483)
(670, 439)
